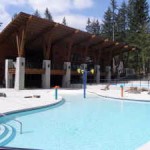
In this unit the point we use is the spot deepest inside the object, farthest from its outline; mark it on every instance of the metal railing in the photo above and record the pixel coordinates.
(19, 122)
(117, 82)
(128, 82)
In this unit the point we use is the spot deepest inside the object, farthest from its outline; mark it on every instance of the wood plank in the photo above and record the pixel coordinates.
(28, 71)
(75, 73)
(22, 43)
(11, 71)
(34, 71)
(17, 41)
(58, 72)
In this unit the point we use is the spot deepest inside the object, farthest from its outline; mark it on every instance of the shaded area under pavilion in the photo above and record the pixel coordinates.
(41, 53)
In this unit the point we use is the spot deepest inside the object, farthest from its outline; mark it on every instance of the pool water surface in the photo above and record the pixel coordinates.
(94, 123)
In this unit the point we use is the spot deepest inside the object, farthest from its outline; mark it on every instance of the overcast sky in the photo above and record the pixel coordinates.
(75, 11)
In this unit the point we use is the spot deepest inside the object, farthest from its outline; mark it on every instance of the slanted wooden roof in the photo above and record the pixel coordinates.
(38, 29)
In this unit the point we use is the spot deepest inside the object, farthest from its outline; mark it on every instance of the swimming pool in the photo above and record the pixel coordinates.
(94, 123)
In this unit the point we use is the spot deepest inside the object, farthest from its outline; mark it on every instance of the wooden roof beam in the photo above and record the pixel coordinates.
(66, 36)
(100, 45)
(90, 39)
(114, 49)
(45, 32)
(85, 40)
(124, 48)
(97, 44)
(23, 26)
(105, 47)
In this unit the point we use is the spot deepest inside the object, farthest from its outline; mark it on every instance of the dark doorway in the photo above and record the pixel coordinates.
(56, 80)
(33, 81)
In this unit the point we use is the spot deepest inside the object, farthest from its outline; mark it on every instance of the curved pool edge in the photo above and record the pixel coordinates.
(119, 98)
(61, 100)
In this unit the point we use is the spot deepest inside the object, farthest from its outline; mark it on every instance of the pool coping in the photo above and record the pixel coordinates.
(119, 98)
(31, 108)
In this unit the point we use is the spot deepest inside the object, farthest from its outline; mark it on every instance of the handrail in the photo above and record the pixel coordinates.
(20, 123)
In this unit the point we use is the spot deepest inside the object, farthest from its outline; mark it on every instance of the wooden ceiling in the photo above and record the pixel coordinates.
(38, 29)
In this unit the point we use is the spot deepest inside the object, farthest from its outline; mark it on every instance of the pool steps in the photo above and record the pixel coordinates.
(3, 131)
(7, 134)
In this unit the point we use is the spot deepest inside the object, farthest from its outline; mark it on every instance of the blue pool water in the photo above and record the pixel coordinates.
(94, 123)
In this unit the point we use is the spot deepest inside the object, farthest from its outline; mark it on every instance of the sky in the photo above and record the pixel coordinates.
(76, 12)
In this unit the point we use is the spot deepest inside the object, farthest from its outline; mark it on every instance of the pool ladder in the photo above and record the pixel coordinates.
(19, 122)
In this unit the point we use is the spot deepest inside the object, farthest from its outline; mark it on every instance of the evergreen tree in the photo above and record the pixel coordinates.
(131, 15)
(110, 21)
(131, 25)
(141, 41)
(93, 27)
(48, 15)
(88, 26)
(37, 14)
(142, 16)
(113, 11)
(138, 23)
(122, 22)
(138, 16)
(113, 4)
(64, 21)
(107, 28)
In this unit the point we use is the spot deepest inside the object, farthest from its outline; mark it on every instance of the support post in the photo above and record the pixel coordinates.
(46, 76)
(84, 83)
(8, 76)
(84, 66)
(97, 75)
(20, 73)
(108, 73)
(67, 76)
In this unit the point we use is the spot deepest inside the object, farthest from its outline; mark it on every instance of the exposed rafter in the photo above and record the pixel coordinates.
(66, 36)
(85, 41)
(96, 44)
(69, 51)
(23, 25)
(20, 38)
(46, 31)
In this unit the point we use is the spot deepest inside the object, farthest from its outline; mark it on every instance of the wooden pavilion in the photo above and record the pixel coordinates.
(35, 52)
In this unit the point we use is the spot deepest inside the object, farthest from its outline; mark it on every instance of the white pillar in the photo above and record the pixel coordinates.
(46, 76)
(8, 77)
(97, 75)
(67, 76)
(20, 73)
(108, 73)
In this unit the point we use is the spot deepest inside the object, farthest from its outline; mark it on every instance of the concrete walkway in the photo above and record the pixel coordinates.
(15, 99)
(115, 92)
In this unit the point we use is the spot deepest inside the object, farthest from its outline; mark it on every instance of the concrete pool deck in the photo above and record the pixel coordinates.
(115, 92)
(15, 100)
